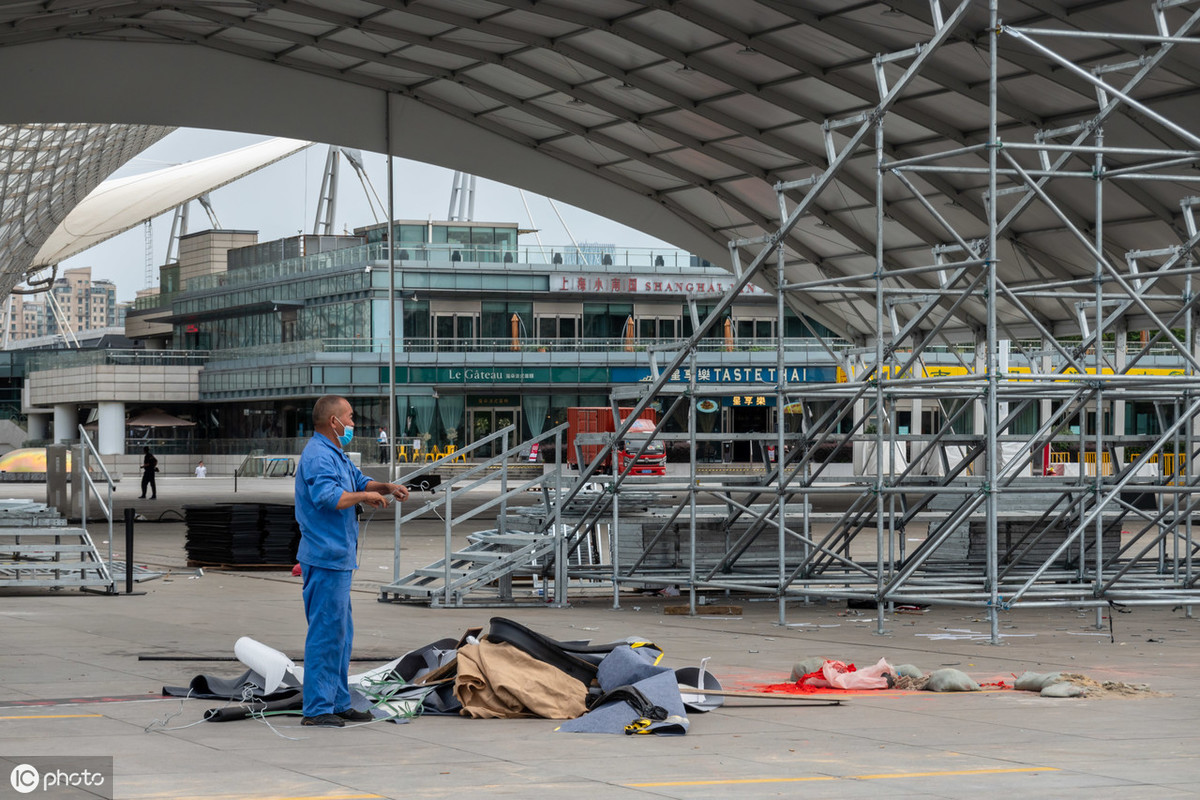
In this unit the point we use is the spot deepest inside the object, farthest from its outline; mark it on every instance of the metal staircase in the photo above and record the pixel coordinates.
(38, 550)
(482, 572)
(483, 569)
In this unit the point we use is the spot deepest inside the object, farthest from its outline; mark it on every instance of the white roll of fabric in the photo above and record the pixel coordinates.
(268, 662)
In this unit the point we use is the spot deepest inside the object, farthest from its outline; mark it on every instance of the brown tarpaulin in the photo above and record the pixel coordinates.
(498, 681)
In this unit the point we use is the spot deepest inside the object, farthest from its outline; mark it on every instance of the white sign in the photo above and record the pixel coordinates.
(645, 284)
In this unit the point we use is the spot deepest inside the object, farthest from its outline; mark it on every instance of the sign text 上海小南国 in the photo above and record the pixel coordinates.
(644, 284)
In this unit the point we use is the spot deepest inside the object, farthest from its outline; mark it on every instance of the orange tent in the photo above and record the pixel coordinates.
(629, 334)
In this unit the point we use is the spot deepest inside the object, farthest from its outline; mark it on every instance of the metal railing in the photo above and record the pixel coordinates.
(487, 468)
(106, 502)
(507, 344)
(61, 359)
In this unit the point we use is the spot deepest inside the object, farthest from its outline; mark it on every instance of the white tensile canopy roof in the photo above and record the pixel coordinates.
(681, 118)
(118, 205)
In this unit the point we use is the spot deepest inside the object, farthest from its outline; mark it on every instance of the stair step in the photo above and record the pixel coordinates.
(505, 538)
(48, 566)
(37, 530)
(34, 549)
(431, 572)
(478, 555)
(29, 583)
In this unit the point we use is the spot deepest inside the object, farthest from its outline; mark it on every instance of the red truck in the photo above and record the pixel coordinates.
(599, 419)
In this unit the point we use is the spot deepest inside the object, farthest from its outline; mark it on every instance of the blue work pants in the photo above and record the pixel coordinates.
(330, 636)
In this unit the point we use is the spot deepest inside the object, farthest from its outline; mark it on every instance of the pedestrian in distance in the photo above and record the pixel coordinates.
(201, 470)
(382, 439)
(328, 487)
(149, 467)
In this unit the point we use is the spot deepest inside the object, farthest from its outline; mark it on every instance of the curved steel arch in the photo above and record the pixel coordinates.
(675, 117)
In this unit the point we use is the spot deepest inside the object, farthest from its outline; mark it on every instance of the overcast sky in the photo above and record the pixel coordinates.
(281, 200)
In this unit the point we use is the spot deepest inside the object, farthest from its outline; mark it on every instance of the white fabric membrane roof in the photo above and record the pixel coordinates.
(117, 205)
(677, 118)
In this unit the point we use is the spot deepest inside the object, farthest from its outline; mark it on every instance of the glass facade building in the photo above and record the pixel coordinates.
(488, 333)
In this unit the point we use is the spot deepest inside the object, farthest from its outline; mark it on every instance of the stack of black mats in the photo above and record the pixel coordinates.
(280, 533)
(241, 533)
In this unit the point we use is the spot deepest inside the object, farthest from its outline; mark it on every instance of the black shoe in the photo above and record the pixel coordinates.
(324, 721)
(141, 497)
(350, 715)
(154, 498)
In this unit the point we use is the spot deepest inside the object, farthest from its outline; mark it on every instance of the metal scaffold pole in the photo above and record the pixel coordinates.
(990, 369)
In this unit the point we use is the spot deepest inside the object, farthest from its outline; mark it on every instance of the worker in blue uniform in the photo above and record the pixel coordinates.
(328, 487)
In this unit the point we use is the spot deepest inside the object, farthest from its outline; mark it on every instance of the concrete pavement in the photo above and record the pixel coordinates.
(73, 646)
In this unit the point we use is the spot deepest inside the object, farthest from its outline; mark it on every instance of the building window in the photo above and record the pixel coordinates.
(605, 320)
(495, 319)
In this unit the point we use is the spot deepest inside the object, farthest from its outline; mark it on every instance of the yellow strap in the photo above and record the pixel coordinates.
(650, 644)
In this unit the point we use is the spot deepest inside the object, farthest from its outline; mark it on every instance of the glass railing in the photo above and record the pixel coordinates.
(576, 258)
(334, 259)
(541, 257)
(514, 345)
(152, 301)
(62, 359)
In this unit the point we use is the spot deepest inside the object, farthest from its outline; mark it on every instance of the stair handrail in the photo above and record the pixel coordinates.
(106, 504)
(481, 473)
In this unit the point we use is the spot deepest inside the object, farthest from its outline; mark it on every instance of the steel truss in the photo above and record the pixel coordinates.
(997, 537)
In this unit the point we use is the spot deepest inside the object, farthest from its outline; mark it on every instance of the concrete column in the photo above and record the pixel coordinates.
(111, 439)
(38, 426)
(66, 422)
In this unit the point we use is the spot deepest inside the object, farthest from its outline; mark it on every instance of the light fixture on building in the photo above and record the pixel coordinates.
(747, 51)
(626, 86)
(575, 101)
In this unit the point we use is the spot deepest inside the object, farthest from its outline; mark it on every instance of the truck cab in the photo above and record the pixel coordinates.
(653, 460)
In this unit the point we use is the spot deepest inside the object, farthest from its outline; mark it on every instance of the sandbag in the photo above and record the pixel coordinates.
(806, 666)
(909, 671)
(950, 680)
(1036, 681)
(1063, 689)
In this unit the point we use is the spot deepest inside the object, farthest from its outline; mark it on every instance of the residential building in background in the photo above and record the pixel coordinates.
(74, 301)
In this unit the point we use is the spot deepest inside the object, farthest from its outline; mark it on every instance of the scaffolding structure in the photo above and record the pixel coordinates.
(998, 533)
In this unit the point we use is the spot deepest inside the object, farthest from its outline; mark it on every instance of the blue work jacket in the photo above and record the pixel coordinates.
(328, 536)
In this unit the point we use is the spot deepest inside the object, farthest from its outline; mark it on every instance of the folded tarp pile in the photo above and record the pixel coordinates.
(511, 672)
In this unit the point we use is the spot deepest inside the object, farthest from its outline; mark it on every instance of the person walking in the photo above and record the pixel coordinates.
(149, 467)
(201, 470)
(328, 487)
(382, 439)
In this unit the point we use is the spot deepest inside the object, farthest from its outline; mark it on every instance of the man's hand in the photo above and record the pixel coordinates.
(397, 490)
(388, 490)
(375, 499)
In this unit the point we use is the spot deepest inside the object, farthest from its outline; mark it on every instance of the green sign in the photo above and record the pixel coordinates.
(476, 400)
(497, 375)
